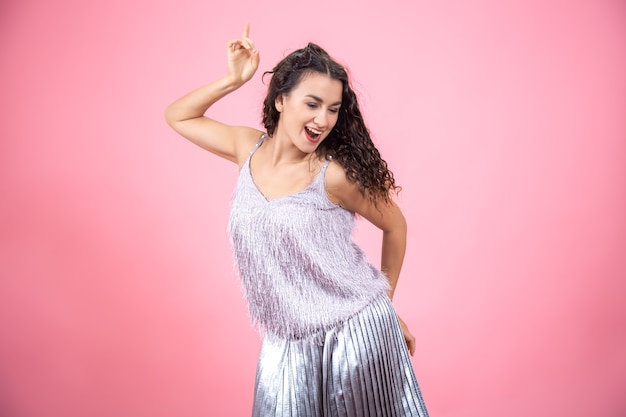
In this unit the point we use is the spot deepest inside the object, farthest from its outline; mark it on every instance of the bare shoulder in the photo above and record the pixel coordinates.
(339, 188)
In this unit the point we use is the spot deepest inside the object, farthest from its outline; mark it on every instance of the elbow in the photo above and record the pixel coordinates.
(168, 114)
(397, 229)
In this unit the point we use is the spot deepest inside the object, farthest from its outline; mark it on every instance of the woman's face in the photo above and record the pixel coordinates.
(310, 110)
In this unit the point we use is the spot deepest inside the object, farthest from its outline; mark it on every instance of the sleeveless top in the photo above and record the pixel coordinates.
(299, 267)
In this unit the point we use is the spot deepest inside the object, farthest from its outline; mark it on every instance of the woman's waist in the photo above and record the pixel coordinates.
(292, 311)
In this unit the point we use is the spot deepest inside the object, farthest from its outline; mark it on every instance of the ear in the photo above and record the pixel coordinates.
(278, 103)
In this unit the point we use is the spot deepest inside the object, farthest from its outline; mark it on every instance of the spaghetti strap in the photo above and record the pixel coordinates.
(259, 143)
(328, 159)
(256, 146)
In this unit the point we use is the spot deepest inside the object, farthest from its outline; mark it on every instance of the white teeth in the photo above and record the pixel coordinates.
(317, 132)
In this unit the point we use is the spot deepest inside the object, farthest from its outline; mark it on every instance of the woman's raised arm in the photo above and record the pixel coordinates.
(187, 114)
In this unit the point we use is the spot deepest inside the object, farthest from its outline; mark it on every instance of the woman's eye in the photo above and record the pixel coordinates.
(333, 110)
(312, 105)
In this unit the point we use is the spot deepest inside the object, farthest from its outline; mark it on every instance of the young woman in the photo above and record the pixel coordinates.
(333, 344)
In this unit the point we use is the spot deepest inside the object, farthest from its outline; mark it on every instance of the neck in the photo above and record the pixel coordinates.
(281, 150)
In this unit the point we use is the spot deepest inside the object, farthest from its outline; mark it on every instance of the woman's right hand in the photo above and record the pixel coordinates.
(243, 58)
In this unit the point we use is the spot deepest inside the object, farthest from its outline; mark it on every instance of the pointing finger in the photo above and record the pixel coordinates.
(246, 30)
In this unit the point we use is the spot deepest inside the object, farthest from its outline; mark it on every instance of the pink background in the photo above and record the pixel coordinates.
(504, 122)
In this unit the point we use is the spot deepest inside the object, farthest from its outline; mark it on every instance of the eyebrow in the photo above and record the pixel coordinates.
(319, 100)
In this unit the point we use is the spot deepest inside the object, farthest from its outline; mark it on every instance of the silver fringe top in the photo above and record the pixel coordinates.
(299, 266)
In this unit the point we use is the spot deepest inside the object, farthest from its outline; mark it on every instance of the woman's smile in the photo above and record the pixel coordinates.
(313, 135)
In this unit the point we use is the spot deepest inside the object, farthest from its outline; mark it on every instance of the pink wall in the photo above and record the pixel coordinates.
(504, 121)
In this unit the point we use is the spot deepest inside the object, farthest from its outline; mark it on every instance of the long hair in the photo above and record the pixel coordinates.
(349, 143)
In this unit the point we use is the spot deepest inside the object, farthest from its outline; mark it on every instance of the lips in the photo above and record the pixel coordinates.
(313, 135)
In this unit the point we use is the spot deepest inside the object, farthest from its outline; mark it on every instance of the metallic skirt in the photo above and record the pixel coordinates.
(360, 368)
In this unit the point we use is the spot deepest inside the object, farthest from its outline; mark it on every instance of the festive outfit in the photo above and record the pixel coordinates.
(332, 343)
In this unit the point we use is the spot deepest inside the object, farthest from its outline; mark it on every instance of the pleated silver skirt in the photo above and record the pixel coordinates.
(358, 369)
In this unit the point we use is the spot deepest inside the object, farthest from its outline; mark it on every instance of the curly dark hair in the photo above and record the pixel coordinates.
(349, 143)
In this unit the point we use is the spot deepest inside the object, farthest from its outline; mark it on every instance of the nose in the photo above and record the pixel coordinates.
(321, 118)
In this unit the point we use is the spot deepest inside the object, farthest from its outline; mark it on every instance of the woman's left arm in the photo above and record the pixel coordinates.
(393, 224)
(388, 217)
